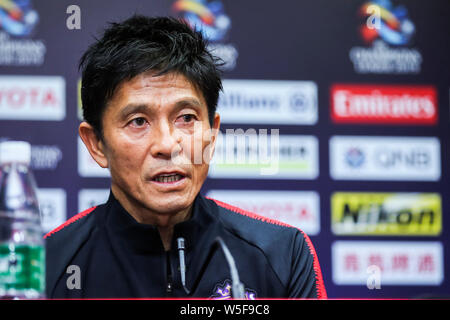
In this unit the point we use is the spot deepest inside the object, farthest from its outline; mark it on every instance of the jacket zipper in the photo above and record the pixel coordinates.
(169, 279)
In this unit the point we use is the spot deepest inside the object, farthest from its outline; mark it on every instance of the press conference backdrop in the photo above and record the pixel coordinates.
(359, 91)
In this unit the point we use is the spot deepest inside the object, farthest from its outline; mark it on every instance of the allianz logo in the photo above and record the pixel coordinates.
(242, 100)
(297, 101)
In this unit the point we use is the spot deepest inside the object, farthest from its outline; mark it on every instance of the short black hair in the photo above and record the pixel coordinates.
(140, 44)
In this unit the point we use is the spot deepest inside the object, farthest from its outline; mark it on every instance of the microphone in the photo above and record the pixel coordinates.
(181, 247)
(237, 287)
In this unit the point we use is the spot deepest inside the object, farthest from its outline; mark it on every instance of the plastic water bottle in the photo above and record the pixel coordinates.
(22, 253)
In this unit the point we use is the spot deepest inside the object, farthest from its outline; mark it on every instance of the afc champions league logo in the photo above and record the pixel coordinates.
(18, 21)
(18, 18)
(387, 32)
(386, 22)
(209, 18)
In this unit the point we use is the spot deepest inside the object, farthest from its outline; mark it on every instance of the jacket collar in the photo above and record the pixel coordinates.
(144, 238)
(199, 232)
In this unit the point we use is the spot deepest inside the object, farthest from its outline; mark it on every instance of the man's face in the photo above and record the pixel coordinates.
(153, 127)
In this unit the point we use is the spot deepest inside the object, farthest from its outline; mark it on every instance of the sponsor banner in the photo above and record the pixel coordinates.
(87, 167)
(382, 104)
(45, 157)
(385, 158)
(32, 98)
(402, 214)
(53, 207)
(88, 198)
(268, 102)
(290, 157)
(299, 209)
(395, 262)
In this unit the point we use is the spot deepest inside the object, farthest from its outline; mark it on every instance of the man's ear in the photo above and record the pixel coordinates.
(93, 143)
(214, 133)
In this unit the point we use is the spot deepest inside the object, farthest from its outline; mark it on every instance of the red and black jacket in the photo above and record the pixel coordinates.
(119, 258)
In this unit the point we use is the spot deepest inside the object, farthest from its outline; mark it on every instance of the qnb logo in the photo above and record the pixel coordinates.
(416, 158)
(385, 158)
(355, 157)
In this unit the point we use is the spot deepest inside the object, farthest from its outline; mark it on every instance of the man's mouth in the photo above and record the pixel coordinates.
(168, 178)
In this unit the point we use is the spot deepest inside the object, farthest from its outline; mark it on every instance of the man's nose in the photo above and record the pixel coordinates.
(165, 142)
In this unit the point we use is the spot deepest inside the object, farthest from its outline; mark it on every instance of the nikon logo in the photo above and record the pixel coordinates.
(386, 214)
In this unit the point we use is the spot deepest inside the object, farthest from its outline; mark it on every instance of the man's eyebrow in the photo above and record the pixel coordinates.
(143, 108)
(188, 102)
(133, 108)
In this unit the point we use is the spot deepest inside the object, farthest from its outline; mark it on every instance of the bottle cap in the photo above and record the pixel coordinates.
(15, 151)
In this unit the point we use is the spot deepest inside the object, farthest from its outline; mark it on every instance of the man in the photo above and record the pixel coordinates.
(149, 92)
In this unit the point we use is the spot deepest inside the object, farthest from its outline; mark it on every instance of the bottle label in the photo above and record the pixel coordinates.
(22, 268)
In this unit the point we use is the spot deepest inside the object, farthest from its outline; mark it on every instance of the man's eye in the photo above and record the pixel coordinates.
(187, 118)
(138, 122)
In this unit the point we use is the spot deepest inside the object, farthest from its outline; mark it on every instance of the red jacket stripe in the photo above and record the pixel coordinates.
(70, 221)
(320, 286)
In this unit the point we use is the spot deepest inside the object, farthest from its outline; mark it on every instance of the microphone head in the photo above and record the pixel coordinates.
(180, 243)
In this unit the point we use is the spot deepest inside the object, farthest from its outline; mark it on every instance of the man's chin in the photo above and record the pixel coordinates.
(169, 207)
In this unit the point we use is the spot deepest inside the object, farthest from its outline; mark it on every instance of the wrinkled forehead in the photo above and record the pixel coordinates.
(153, 89)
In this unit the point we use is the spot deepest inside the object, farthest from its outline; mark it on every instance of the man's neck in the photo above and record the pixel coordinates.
(166, 236)
(164, 222)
